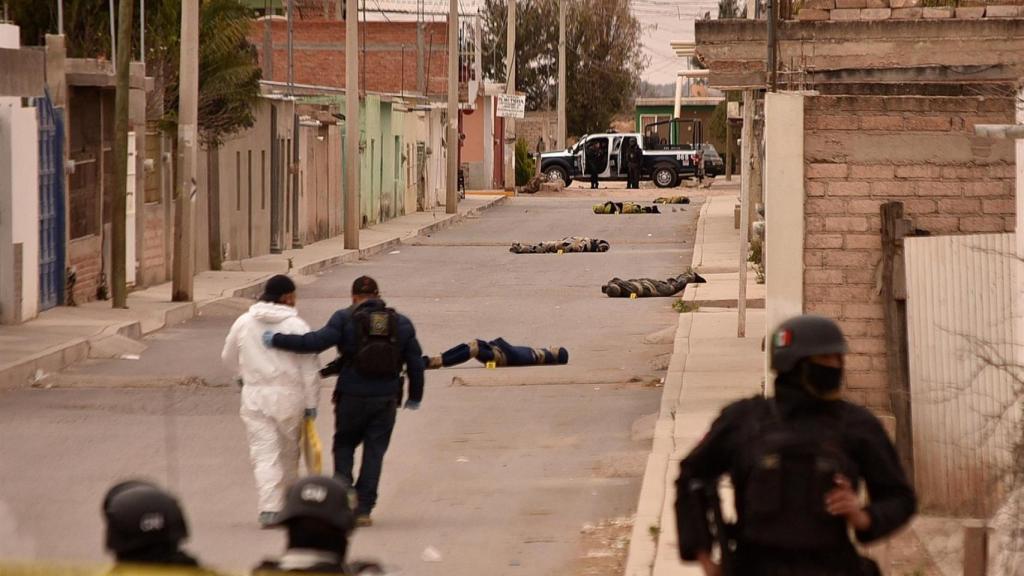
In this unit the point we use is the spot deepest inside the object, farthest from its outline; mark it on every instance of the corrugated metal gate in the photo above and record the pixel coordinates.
(960, 329)
(51, 203)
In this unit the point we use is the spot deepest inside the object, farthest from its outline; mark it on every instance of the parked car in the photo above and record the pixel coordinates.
(713, 163)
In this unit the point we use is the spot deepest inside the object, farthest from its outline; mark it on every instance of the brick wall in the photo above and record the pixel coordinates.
(862, 151)
(84, 256)
(153, 270)
(319, 54)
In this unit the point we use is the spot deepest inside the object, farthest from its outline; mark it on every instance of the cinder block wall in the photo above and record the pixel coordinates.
(862, 151)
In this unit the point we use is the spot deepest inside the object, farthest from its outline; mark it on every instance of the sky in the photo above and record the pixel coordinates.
(664, 21)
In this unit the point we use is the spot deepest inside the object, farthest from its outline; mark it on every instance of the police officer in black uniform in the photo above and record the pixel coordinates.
(634, 162)
(595, 156)
(145, 529)
(319, 518)
(374, 343)
(796, 462)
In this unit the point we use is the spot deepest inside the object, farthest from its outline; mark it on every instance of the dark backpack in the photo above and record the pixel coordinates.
(378, 354)
(787, 469)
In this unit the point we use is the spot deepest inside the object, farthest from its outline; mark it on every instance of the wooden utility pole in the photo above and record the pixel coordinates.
(451, 200)
(118, 224)
(728, 141)
(561, 77)
(510, 89)
(352, 211)
(188, 116)
(894, 302)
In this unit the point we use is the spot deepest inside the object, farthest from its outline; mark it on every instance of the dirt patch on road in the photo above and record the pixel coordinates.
(603, 548)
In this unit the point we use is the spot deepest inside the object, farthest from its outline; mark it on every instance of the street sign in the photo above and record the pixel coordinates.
(733, 111)
(510, 106)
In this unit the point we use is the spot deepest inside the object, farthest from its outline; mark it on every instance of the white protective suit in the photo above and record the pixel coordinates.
(277, 387)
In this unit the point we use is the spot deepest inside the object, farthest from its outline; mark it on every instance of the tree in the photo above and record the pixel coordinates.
(229, 74)
(603, 49)
(731, 9)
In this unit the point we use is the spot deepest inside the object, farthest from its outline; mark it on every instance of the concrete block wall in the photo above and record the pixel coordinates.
(862, 151)
(845, 10)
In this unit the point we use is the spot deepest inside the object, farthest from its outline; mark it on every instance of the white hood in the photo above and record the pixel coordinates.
(270, 313)
(276, 382)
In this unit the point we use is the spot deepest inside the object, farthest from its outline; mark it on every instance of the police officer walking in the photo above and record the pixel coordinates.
(145, 529)
(796, 462)
(374, 342)
(319, 519)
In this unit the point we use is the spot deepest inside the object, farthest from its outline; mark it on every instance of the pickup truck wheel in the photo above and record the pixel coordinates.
(664, 176)
(555, 173)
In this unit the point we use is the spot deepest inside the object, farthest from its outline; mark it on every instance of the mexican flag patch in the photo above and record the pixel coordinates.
(783, 338)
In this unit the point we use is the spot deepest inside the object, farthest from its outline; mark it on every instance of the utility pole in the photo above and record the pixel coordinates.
(119, 209)
(291, 63)
(510, 89)
(728, 141)
(113, 32)
(352, 212)
(451, 201)
(60, 17)
(561, 76)
(188, 113)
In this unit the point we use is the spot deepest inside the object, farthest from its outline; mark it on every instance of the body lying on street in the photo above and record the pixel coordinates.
(567, 244)
(647, 287)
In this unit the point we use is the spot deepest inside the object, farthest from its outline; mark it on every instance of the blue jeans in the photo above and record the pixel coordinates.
(366, 420)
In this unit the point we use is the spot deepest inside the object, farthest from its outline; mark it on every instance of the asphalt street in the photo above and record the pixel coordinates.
(498, 471)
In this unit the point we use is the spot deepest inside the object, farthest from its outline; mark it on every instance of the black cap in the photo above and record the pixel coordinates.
(365, 286)
(277, 287)
(319, 498)
(141, 516)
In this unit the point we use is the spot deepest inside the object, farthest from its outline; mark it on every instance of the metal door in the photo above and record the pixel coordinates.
(51, 203)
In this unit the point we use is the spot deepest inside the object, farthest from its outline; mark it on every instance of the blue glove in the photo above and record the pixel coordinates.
(412, 405)
(310, 413)
(268, 339)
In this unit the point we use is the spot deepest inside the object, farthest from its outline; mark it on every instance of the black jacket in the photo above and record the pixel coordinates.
(862, 438)
(340, 332)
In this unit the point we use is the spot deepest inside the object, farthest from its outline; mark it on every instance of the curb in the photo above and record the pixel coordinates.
(18, 374)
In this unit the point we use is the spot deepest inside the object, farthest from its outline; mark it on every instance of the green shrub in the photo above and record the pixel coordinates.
(525, 166)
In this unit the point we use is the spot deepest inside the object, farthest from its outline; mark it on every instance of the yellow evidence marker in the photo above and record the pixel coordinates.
(492, 364)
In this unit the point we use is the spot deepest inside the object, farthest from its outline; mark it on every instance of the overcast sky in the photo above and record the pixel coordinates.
(664, 21)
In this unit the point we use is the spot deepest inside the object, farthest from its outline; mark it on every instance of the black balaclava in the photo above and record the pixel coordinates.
(807, 385)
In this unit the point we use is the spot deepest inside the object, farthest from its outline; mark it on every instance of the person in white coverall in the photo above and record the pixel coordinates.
(279, 390)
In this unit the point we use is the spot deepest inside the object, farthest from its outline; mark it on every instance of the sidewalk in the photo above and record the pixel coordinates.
(710, 367)
(64, 335)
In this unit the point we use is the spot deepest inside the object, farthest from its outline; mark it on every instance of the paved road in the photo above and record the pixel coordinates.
(499, 470)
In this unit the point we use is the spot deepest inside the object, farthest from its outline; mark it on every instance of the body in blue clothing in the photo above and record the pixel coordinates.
(365, 407)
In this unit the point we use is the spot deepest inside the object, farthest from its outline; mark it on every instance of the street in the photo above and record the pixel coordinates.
(499, 471)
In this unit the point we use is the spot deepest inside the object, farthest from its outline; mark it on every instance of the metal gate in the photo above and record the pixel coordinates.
(51, 203)
(960, 324)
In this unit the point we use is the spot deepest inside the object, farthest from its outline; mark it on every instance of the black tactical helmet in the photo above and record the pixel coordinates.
(140, 515)
(804, 336)
(320, 498)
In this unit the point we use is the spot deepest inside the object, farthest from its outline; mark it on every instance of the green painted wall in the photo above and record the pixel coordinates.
(382, 181)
